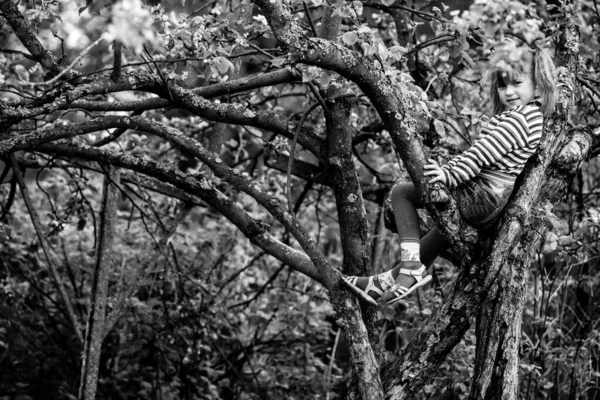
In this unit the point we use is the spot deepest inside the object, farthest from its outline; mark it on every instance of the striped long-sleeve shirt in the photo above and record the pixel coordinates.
(502, 149)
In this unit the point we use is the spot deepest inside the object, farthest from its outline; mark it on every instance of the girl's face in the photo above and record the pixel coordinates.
(516, 92)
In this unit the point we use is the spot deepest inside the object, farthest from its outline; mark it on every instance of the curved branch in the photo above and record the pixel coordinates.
(194, 147)
(175, 136)
(137, 81)
(239, 115)
(17, 22)
(227, 113)
(201, 187)
(260, 80)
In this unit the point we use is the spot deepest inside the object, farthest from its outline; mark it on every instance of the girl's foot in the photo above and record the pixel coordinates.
(371, 288)
(408, 280)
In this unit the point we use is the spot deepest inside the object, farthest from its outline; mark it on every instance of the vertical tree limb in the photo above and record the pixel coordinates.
(52, 263)
(104, 258)
(496, 367)
(355, 240)
(117, 60)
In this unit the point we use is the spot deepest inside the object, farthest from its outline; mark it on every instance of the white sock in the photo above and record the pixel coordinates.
(410, 251)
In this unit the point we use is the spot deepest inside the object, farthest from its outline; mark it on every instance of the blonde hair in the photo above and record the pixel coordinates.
(508, 62)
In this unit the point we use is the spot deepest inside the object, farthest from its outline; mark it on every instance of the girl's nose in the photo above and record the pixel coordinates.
(510, 89)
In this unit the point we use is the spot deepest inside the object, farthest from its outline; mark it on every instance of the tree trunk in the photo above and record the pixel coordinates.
(496, 369)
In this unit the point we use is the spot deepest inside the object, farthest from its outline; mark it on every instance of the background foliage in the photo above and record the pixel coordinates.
(200, 313)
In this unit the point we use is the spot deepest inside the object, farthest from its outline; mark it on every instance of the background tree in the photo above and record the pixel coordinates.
(246, 150)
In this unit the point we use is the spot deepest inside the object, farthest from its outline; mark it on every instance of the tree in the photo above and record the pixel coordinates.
(339, 83)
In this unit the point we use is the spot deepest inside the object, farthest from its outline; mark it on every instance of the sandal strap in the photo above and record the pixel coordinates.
(415, 273)
(371, 287)
(398, 289)
(386, 280)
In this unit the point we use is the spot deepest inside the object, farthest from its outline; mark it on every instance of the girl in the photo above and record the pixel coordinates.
(523, 90)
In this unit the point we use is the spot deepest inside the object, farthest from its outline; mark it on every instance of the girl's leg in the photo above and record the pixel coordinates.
(405, 200)
(432, 245)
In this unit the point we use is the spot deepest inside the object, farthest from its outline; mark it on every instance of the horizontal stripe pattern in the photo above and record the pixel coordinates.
(502, 149)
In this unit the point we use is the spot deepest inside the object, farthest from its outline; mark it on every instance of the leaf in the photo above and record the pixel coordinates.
(278, 61)
(364, 29)
(311, 73)
(224, 65)
(349, 38)
(387, 2)
(439, 127)
(382, 51)
(425, 108)
(397, 52)
(22, 72)
(358, 6)
(467, 59)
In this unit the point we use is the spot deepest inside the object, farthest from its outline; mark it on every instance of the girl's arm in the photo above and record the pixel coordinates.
(511, 131)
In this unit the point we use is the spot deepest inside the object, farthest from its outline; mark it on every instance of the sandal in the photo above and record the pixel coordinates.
(399, 292)
(385, 279)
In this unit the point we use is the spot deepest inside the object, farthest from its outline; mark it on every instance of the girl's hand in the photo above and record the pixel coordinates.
(434, 170)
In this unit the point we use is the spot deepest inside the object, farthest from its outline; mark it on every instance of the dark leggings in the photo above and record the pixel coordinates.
(405, 201)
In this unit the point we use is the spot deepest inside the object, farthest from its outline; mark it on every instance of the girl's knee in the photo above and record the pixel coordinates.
(403, 191)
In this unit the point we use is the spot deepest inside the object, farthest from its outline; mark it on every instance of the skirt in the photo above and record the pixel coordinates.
(480, 201)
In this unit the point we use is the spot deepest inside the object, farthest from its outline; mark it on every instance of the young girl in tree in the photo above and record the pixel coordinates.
(523, 90)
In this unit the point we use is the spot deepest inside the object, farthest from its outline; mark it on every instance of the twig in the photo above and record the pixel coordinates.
(162, 77)
(422, 14)
(331, 360)
(261, 50)
(431, 42)
(291, 159)
(116, 134)
(71, 66)
(310, 21)
(590, 87)
(11, 51)
(37, 225)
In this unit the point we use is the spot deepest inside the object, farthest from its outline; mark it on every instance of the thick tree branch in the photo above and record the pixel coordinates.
(10, 12)
(227, 113)
(237, 114)
(273, 78)
(94, 334)
(355, 240)
(201, 187)
(62, 100)
(176, 137)
(497, 362)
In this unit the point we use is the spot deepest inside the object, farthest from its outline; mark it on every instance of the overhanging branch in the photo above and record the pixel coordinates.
(253, 229)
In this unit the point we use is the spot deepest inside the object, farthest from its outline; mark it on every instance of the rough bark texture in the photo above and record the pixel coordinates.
(17, 22)
(95, 330)
(354, 235)
(545, 181)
